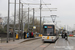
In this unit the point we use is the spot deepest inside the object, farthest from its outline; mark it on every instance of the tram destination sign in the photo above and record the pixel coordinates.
(47, 26)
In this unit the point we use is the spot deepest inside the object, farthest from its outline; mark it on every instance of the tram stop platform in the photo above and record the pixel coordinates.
(19, 41)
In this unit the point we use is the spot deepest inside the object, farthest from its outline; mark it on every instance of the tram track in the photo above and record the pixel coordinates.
(38, 46)
(46, 46)
(34, 41)
(24, 42)
(43, 44)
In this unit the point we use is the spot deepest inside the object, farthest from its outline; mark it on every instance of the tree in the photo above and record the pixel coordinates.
(2, 30)
(25, 19)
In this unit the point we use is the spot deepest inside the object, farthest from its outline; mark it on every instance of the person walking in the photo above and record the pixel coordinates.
(31, 34)
(27, 35)
(65, 34)
(66, 37)
(24, 35)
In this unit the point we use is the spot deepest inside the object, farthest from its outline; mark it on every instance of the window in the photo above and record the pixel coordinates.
(48, 30)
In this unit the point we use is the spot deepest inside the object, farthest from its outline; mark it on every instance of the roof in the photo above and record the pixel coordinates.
(48, 24)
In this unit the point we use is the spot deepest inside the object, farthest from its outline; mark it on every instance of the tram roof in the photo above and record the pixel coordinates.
(48, 24)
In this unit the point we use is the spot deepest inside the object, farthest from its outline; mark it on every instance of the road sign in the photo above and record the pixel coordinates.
(62, 28)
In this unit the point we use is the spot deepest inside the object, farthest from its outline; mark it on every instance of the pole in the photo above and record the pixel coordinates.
(33, 19)
(43, 23)
(14, 20)
(8, 21)
(43, 20)
(28, 19)
(22, 22)
(19, 19)
(67, 28)
(40, 16)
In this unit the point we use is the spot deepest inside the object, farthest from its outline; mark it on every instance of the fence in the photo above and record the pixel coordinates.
(3, 37)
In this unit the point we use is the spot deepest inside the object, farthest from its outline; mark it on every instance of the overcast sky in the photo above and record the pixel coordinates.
(65, 10)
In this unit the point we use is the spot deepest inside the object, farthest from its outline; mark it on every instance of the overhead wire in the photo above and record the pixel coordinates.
(48, 8)
(39, 8)
(46, 5)
(28, 5)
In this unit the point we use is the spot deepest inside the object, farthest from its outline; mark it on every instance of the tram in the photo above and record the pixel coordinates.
(50, 34)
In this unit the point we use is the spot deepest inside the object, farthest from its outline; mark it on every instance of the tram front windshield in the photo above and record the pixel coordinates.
(48, 30)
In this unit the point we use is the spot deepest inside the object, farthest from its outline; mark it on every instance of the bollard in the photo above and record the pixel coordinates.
(41, 35)
(34, 35)
(16, 36)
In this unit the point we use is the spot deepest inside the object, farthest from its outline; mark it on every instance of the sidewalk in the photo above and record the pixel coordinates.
(17, 41)
(23, 40)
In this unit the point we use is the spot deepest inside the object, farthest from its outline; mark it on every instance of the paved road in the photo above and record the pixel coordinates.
(61, 44)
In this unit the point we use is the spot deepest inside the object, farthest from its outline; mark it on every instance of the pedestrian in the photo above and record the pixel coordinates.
(27, 35)
(24, 35)
(65, 34)
(31, 34)
(62, 35)
(66, 37)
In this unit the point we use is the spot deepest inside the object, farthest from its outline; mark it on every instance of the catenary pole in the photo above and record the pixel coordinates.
(22, 22)
(33, 20)
(19, 19)
(8, 21)
(28, 19)
(40, 16)
(14, 20)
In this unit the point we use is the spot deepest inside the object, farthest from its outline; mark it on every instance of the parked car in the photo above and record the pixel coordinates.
(71, 35)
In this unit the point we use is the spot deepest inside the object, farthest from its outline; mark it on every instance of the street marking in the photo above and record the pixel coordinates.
(56, 42)
(68, 46)
(65, 47)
